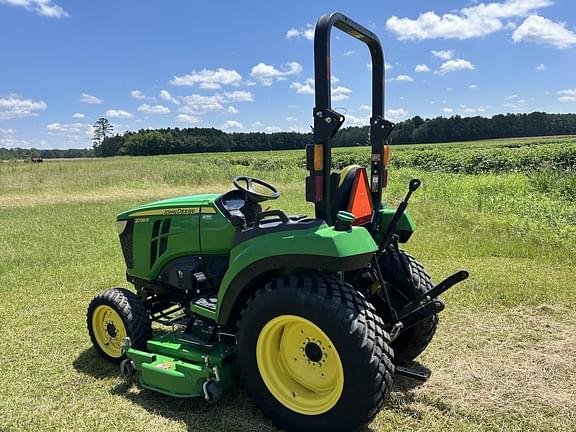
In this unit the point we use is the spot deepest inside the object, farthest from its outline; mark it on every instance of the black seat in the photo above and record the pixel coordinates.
(342, 188)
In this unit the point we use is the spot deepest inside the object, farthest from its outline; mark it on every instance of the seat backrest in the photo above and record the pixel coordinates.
(344, 185)
(342, 188)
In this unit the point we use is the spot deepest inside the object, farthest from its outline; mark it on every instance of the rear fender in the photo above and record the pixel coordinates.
(256, 260)
(405, 226)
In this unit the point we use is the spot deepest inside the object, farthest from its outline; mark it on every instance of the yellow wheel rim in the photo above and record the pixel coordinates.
(299, 365)
(109, 330)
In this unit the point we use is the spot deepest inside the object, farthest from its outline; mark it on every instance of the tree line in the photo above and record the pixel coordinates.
(415, 130)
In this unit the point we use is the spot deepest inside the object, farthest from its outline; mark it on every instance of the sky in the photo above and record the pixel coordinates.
(248, 66)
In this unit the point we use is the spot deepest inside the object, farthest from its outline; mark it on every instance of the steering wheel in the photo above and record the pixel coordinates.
(253, 195)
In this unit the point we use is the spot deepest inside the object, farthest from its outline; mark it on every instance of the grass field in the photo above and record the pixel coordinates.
(502, 360)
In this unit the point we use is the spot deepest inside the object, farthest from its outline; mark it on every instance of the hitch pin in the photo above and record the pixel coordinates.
(395, 331)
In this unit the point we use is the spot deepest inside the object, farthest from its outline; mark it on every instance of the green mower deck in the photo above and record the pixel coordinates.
(181, 369)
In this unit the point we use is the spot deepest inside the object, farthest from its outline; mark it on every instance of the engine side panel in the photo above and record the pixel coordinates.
(158, 239)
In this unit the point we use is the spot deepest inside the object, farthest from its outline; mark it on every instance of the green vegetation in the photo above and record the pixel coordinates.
(436, 130)
(202, 140)
(504, 354)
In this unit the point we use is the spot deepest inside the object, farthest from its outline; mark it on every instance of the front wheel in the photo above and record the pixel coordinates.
(314, 354)
(113, 315)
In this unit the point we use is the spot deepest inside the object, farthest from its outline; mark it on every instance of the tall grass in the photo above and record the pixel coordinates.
(503, 355)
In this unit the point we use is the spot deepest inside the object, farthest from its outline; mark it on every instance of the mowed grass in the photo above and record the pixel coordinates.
(503, 358)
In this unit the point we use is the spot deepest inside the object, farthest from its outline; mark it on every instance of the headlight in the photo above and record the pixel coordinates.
(121, 226)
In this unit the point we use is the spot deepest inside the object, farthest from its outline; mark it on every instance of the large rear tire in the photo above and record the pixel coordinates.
(113, 315)
(314, 354)
(409, 280)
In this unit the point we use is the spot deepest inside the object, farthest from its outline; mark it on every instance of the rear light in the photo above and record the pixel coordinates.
(315, 164)
(386, 153)
(318, 157)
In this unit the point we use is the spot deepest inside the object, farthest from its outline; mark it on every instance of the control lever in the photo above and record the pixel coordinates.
(387, 238)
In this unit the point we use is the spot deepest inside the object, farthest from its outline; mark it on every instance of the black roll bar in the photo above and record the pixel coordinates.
(327, 122)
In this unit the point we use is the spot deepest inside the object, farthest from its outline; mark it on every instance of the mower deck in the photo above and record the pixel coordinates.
(177, 368)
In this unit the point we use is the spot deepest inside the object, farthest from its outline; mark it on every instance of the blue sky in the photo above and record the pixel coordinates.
(242, 66)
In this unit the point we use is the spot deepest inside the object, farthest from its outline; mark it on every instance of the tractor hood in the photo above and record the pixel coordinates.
(188, 204)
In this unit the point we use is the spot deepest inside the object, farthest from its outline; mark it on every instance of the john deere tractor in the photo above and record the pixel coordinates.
(315, 314)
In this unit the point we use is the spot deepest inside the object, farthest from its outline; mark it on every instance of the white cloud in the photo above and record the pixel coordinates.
(154, 109)
(307, 87)
(514, 96)
(232, 125)
(90, 99)
(272, 129)
(541, 30)
(165, 95)
(208, 79)
(198, 104)
(237, 96)
(267, 74)
(406, 78)
(15, 106)
(443, 54)
(541, 67)
(71, 131)
(291, 119)
(45, 8)
(421, 68)
(352, 120)
(568, 95)
(473, 86)
(470, 22)
(9, 139)
(340, 93)
(78, 116)
(137, 94)
(113, 113)
(396, 114)
(516, 104)
(307, 33)
(447, 110)
(387, 66)
(186, 118)
(455, 65)
(232, 110)
(349, 53)
(365, 107)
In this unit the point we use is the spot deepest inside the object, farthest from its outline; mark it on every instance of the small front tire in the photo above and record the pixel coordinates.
(113, 315)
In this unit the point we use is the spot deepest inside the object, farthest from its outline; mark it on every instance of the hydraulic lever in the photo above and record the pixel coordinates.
(388, 235)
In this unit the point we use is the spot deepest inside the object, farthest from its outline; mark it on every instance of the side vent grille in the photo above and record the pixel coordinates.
(160, 231)
(127, 243)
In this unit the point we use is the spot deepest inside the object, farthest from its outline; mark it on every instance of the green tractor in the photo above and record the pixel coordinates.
(316, 315)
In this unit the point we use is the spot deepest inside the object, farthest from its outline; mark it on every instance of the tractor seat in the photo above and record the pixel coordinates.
(344, 185)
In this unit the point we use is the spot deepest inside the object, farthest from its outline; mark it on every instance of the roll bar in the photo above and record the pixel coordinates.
(327, 122)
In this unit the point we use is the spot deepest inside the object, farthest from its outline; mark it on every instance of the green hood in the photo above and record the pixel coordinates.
(177, 203)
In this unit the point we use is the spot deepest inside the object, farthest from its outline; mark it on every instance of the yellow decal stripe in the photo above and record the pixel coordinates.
(208, 210)
(177, 211)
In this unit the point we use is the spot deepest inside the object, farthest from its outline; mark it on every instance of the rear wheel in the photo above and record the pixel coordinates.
(113, 315)
(314, 354)
(409, 280)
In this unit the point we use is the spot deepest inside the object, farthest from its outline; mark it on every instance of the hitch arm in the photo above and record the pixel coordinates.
(427, 305)
(447, 283)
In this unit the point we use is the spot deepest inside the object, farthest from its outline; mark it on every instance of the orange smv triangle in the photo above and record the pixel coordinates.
(360, 203)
